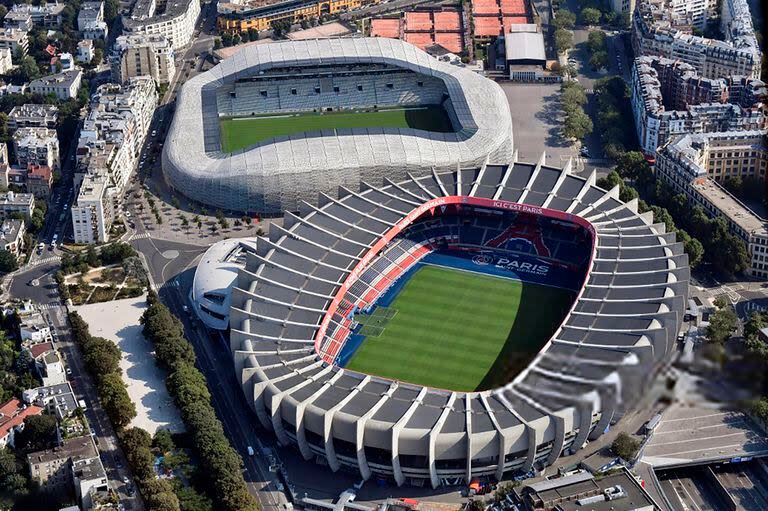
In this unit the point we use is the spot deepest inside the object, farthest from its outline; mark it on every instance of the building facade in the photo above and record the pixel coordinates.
(31, 115)
(108, 149)
(670, 99)
(36, 147)
(143, 55)
(90, 21)
(14, 39)
(63, 85)
(657, 30)
(697, 164)
(12, 236)
(237, 17)
(176, 22)
(12, 202)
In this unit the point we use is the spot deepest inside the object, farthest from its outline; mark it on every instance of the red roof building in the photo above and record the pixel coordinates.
(494, 17)
(424, 27)
(12, 415)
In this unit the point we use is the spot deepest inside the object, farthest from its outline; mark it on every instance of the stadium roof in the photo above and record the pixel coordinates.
(525, 42)
(277, 174)
(621, 329)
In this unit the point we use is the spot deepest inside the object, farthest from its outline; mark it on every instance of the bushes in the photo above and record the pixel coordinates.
(614, 119)
(102, 359)
(188, 387)
(109, 254)
(625, 447)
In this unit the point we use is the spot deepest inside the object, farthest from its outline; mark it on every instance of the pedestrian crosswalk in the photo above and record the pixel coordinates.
(52, 259)
(46, 306)
(141, 236)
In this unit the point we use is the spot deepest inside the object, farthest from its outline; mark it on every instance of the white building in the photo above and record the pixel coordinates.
(14, 39)
(85, 51)
(36, 146)
(12, 202)
(46, 15)
(143, 55)
(12, 236)
(176, 23)
(90, 21)
(6, 60)
(63, 85)
(32, 115)
(109, 145)
(33, 329)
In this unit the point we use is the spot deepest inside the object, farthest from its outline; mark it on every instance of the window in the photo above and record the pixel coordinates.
(317, 90)
(390, 86)
(359, 87)
(335, 89)
(264, 93)
(293, 92)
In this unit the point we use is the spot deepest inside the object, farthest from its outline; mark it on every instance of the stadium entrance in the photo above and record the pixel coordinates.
(465, 297)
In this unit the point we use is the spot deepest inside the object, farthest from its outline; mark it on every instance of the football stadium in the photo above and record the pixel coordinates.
(467, 323)
(275, 124)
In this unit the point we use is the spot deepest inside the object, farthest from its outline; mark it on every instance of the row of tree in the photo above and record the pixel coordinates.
(577, 123)
(614, 120)
(102, 360)
(189, 389)
(598, 49)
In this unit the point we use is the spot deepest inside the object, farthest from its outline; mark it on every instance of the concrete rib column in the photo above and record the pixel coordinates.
(301, 438)
(396, 429)
(501, 438)
(330, 451)
(468, 417)
(362, 462)
(433, 434)
(559, 440)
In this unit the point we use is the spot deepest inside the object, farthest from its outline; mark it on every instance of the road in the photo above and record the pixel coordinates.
(112, 456)
(688, 491)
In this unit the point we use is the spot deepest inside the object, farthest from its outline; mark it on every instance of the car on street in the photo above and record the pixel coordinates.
(584, 152)
(69, 371)
(126, 480)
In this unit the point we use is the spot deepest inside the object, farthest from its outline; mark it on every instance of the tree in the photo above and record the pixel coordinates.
(692, 247)
(92, 257)
(13, 480)
(754, 324)
(632, 165)
(625, 447)
(573, 95)
(217, 43)
(577, 125)
(163, 441)
(590, 16)
(598, 60)
(115, 400)
(136, 444)
(111, 9)
(25, 71)
(39, 433)
(164, 501)
(8, 262)
(564, 19)
(101, 356)
(563, 40)
(721, 325)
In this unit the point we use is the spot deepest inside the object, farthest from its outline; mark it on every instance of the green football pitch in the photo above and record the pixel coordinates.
(241, 132)
(458, 330)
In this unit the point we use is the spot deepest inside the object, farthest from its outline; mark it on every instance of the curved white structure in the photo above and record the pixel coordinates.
(279, 173)
(290, 315)
(211, 292)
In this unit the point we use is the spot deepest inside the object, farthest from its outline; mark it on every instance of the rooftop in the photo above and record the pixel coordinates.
(525, 42)
(63, 79)
(76, 448)
(13, 413)
(34, 110)
(731, 207)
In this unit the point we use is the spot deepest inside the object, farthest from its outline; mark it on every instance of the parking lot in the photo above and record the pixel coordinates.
(536, 122)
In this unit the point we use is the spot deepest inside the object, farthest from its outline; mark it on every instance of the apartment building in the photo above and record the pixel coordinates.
(239, 16)
(45, 15)
(85, 52)
(90, 21)
(33, 329)
(175, 20)
(669, 98)
(58, 400)
(36, 147)
(12, 202)
(14, 39)
(108, 149)
(30, 115)
(143, 55)
(12, 236)
(6, 60)
(696, 164)
(58, 469)
(658, 30)
(63, 85)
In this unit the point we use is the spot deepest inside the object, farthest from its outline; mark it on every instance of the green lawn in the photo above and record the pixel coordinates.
(461, 331)
(242, 132)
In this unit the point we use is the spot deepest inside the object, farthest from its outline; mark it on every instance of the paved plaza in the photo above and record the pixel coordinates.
(118, 321)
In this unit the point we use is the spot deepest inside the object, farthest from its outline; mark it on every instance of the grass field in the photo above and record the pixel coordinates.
(457, 330)
(242, 132)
